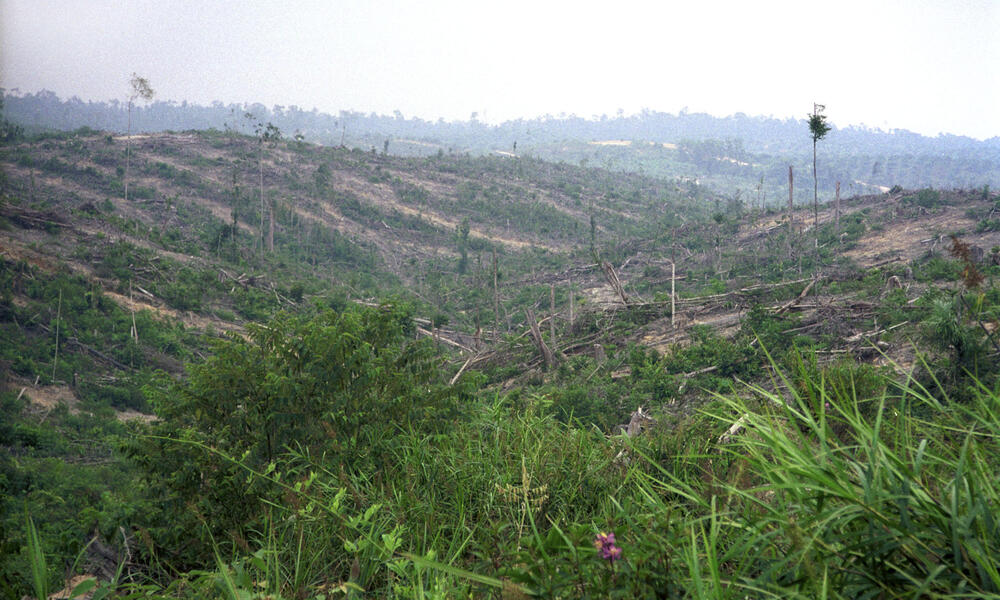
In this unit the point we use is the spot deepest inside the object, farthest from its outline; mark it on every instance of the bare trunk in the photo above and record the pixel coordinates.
(55, 357)
(260, 162)
(536, 335)
(815, 194)
(612, 277)
(673, 296)
(128, 147)
(791, 186)
(552, 314)
(270, 227)
(571, 302)
(496, 300)
(836, 227)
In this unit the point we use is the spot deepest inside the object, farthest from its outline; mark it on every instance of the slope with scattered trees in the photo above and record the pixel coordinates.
(416, 389)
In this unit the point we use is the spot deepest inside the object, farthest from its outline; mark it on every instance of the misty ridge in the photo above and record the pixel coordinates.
(759, 134)
(734, 155)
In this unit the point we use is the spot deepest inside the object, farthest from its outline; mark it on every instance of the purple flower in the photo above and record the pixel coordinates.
(605, 544)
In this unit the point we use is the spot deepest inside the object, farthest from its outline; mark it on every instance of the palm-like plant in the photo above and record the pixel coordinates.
(818, 128)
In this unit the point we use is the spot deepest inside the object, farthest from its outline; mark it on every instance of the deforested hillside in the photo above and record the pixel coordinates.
(484, 373)
(344, 206)
(739, 152)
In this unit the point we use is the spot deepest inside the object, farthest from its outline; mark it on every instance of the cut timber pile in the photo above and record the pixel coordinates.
(31, 219)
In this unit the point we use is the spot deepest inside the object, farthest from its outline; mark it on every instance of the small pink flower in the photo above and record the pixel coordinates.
(605, 544)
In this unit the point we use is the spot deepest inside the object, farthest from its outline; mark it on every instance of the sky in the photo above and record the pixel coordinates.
(926, 66)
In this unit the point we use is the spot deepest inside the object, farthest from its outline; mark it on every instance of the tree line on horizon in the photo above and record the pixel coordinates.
(46, 110)
(738, 155)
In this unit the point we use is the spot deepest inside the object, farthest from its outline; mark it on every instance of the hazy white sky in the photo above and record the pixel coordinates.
(923, 65)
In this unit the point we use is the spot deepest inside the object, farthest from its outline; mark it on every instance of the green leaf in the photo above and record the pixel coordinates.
(83, 587)
(39, 569)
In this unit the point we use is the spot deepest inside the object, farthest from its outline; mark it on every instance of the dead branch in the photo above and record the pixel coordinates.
(616, 284)
(536, 336)
(733, 430)
(885, 262)
(700, 371)
(462, 370)
(797, 299)
(31, 219)
(423, 331)
(94, 351)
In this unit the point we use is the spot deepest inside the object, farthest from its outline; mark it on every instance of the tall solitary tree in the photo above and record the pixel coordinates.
(265, 134)
(139, 88)
(818, 128)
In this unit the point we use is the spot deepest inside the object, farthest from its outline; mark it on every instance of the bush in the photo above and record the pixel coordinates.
(338, 384)
(927, 198)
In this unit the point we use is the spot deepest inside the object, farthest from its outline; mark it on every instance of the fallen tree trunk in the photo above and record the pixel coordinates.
(797, 299)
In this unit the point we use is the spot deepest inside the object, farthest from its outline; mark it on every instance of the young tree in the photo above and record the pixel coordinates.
(139, 89)
(463, 246)
(9, 132)
(818, 128)
(265, 134)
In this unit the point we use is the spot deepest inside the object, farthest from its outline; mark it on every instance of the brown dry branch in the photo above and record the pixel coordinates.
(31, 219)
(971, 276)
(536, 336)
(797, 299)
(616, 284)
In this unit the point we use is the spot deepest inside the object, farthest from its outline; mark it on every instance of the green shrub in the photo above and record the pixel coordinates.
(339, 384)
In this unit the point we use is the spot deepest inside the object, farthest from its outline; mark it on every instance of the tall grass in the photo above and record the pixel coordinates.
(850, 497)
(838, 485)
(823, 493)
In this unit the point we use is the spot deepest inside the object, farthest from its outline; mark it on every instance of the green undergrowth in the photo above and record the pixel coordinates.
(272, 476)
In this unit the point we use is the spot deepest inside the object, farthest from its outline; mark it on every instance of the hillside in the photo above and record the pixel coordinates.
(739, 153)
(539, 295)
(188, 247)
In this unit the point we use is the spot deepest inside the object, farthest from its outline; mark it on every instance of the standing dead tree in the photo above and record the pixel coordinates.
(836, 227)
(536, 336)
(791, 189)
(612, 276)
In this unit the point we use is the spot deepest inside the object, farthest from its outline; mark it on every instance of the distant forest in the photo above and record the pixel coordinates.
(738, 154)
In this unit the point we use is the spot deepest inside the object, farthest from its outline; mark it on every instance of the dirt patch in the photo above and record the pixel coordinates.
(911, 238)
(385, 198)
(72, 582)
(189, 319)
(133, 415)
(49, 397)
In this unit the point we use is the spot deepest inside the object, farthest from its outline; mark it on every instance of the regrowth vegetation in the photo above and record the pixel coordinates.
(286, 371)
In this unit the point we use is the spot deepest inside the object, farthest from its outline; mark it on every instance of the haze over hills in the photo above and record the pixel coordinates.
(739, 153)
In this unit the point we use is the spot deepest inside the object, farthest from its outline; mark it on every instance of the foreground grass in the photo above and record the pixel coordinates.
(820, 493)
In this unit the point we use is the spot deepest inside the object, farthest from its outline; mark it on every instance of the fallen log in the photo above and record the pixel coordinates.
(423, 331)
(797, 299)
